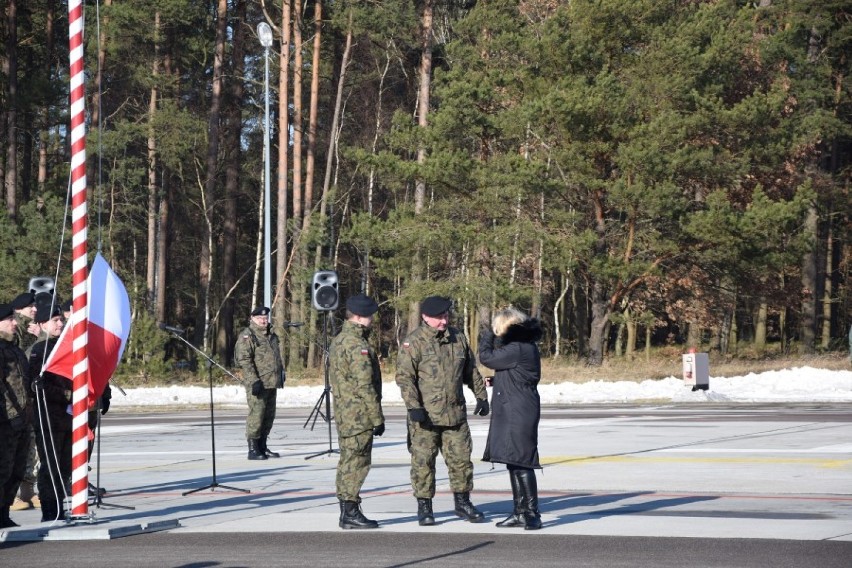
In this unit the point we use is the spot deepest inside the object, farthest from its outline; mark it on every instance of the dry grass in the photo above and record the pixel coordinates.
(660, 367)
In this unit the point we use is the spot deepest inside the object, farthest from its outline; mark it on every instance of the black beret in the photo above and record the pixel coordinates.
(260, 311)
(6, 311)
(44, 312)
(21, 301)
(67, 305)
(435, 305)
(362, 305)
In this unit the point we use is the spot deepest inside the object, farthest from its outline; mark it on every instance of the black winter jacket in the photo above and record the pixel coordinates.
(515, 404)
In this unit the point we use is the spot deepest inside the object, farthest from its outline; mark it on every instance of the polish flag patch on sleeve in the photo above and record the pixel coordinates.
(406, 345)
(365, 352)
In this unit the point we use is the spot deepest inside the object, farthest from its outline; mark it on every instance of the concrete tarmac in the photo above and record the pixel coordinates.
(672, 477)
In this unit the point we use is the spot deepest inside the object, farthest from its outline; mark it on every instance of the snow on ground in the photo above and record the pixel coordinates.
(800, 384)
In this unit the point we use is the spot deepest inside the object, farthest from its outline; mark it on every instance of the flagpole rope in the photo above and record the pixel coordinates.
(79, 225)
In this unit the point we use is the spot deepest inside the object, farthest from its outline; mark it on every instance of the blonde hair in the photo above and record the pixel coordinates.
(506, 318)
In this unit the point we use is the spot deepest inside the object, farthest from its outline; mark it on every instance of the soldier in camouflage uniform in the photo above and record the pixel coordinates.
(25, 311)
(15, 425)
(434, 365)
(26, 335)
(258, 354)
(356, 383)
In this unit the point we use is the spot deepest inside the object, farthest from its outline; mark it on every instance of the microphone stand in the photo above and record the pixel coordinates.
(97, 500)
(325, 396)
(210, 362)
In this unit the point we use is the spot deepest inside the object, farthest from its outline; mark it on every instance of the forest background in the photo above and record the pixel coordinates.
(644, 176)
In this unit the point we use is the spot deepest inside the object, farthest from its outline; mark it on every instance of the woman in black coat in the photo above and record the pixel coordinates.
(509, 348)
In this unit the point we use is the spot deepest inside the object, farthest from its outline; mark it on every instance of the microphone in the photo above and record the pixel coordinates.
(293, 323)
(175, 330)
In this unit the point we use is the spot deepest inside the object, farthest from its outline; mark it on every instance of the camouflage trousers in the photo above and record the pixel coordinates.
(261, 413)
(14, 444)
(354, 464)
(454, 443)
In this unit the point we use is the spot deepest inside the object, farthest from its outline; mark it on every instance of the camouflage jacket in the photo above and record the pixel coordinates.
(258, 354)
(25, 339)
(14, 384)
(431, 371)
(356, 381)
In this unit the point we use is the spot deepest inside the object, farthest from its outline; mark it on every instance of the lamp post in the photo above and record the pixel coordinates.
(264, 32)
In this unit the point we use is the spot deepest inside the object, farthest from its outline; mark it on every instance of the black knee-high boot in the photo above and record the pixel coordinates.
(529, 497)
(516, 519)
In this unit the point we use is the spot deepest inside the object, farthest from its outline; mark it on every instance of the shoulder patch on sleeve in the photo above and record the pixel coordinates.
(365, 352)
(406, 345)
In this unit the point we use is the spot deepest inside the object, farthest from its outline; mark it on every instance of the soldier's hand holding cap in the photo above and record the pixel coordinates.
(379, 430)
(257, 388)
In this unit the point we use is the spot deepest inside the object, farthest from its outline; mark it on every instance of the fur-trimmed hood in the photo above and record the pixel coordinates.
(528, 331)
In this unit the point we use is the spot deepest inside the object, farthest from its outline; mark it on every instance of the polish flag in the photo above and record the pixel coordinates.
(109, 326)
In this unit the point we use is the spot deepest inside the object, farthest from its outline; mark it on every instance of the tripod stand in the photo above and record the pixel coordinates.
(97, 499)
(210, 362)
(325, 397)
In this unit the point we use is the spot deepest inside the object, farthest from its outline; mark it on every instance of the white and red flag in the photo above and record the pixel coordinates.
(108, 328)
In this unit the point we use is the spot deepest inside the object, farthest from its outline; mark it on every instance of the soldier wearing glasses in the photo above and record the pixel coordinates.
(258, 354)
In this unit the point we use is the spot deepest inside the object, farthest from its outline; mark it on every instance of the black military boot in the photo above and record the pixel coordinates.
(516, 519)
(254, 451)
(425, 517)
(5, 521)
(529, 499)
(351, 517)
(266, 451)
(465, 509)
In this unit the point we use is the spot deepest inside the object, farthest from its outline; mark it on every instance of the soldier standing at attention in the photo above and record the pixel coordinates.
(15, 425)
(434, 365)
(25, 312)
(356, 383)
(258, 354)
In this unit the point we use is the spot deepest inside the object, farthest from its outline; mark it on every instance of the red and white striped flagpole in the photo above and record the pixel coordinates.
(79, 227)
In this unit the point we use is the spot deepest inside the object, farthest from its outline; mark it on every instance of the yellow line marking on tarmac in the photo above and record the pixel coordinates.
(586, 460)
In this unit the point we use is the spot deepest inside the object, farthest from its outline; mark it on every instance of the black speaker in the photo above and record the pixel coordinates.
(324, 294)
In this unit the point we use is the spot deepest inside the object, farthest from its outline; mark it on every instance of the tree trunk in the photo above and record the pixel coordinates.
(760, 326)
(423, 102)
(809, 284)
(12, 109)
(600, 318)
(44, 130)
(225, 328)
(827, 300)
(310, 165)
(153, 215)
(299, 278)
(282, 258)
(210, 176)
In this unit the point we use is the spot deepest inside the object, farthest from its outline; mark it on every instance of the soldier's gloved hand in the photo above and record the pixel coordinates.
(37, 383)
(257, 388)
(417, 415)
(104, 405)
(379, 430)
(482, 408)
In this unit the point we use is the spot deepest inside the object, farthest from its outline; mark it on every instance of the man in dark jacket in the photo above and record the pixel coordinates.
(356, 383)
(53, 395)
(258, 354)
(15, 410)
(434, 365)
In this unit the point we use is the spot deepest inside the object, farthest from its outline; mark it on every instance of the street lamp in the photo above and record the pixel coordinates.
(264, 32)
